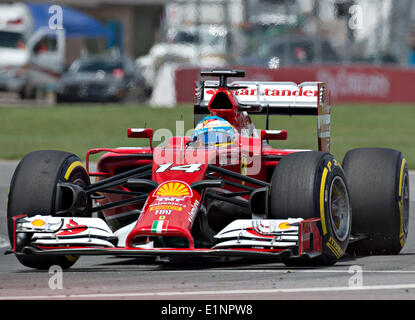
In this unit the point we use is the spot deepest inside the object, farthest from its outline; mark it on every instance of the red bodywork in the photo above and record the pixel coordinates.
(170, 209)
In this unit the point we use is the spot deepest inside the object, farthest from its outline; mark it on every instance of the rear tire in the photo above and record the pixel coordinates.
(379, 188)
(312, 185)
(33, 191)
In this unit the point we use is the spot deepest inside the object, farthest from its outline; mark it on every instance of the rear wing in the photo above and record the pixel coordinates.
(273, 98)
(284, 98)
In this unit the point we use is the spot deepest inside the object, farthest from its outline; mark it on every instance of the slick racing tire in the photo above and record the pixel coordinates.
(33, 191)
(379, 188)
(312, 185)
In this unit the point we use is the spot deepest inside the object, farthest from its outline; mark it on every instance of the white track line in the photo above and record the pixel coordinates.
(177, 294)
(287, 271)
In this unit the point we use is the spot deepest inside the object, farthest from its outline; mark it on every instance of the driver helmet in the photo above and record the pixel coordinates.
(214, 131)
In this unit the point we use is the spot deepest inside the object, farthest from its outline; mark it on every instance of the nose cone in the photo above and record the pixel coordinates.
(169, 211)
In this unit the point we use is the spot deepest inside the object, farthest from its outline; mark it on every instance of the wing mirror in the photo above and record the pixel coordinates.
(273, 134)
(141, 133)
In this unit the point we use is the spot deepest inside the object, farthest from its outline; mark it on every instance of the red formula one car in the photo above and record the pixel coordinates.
(222, 192)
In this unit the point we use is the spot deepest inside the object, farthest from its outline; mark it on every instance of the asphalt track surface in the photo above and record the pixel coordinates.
(110, 278)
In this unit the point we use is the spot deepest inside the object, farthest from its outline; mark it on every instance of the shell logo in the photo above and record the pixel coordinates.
(173, 189)
(284, 225)
(38, 223)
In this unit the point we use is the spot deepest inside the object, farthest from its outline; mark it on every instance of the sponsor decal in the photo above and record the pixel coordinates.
(211, 91)
(38, 223)
(288, 93)
(264, 226)
(270, 92)
(192, 213)
(284, 225)
(323, 126)
(331, 165)
(334, 247)
(166, 207)
(170, 200)
(162, 212)
(72, 228)
(344, 82)
(205, 122)
(173, 189)
(159, 226)
(244, 165)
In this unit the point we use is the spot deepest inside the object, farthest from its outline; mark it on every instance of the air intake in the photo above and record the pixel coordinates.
(220, 102)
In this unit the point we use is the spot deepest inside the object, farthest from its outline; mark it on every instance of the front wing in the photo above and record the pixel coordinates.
(279, 240)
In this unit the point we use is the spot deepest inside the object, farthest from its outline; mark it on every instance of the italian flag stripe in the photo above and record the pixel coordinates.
(159, 226)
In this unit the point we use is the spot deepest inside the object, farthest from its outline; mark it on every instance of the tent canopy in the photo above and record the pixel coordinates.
(75, 23)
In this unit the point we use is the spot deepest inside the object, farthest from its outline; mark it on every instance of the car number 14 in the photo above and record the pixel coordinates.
(189, 168)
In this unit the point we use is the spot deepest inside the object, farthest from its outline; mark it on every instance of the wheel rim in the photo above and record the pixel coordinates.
(339, 208)
(405, 204)
(78, 180)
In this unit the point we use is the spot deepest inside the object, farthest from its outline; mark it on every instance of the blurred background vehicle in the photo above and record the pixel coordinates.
(203, 45)
(50, 46)
(289, 51)
(16, 27)
(102, 78)
(165, 37)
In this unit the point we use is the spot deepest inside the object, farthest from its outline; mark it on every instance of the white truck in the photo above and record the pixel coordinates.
(29, 59)
(16, 27)
(46, 61)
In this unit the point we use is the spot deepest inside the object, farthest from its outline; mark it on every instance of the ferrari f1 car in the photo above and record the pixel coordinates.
(222, 192)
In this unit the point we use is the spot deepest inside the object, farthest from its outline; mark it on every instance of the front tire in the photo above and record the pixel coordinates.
(312, 185)
(33, 191)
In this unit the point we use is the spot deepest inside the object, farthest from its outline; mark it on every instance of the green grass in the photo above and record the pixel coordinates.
(80, 128)
(356, 126)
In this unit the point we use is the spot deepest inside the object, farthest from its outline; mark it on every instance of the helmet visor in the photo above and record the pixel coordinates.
(212, 139)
